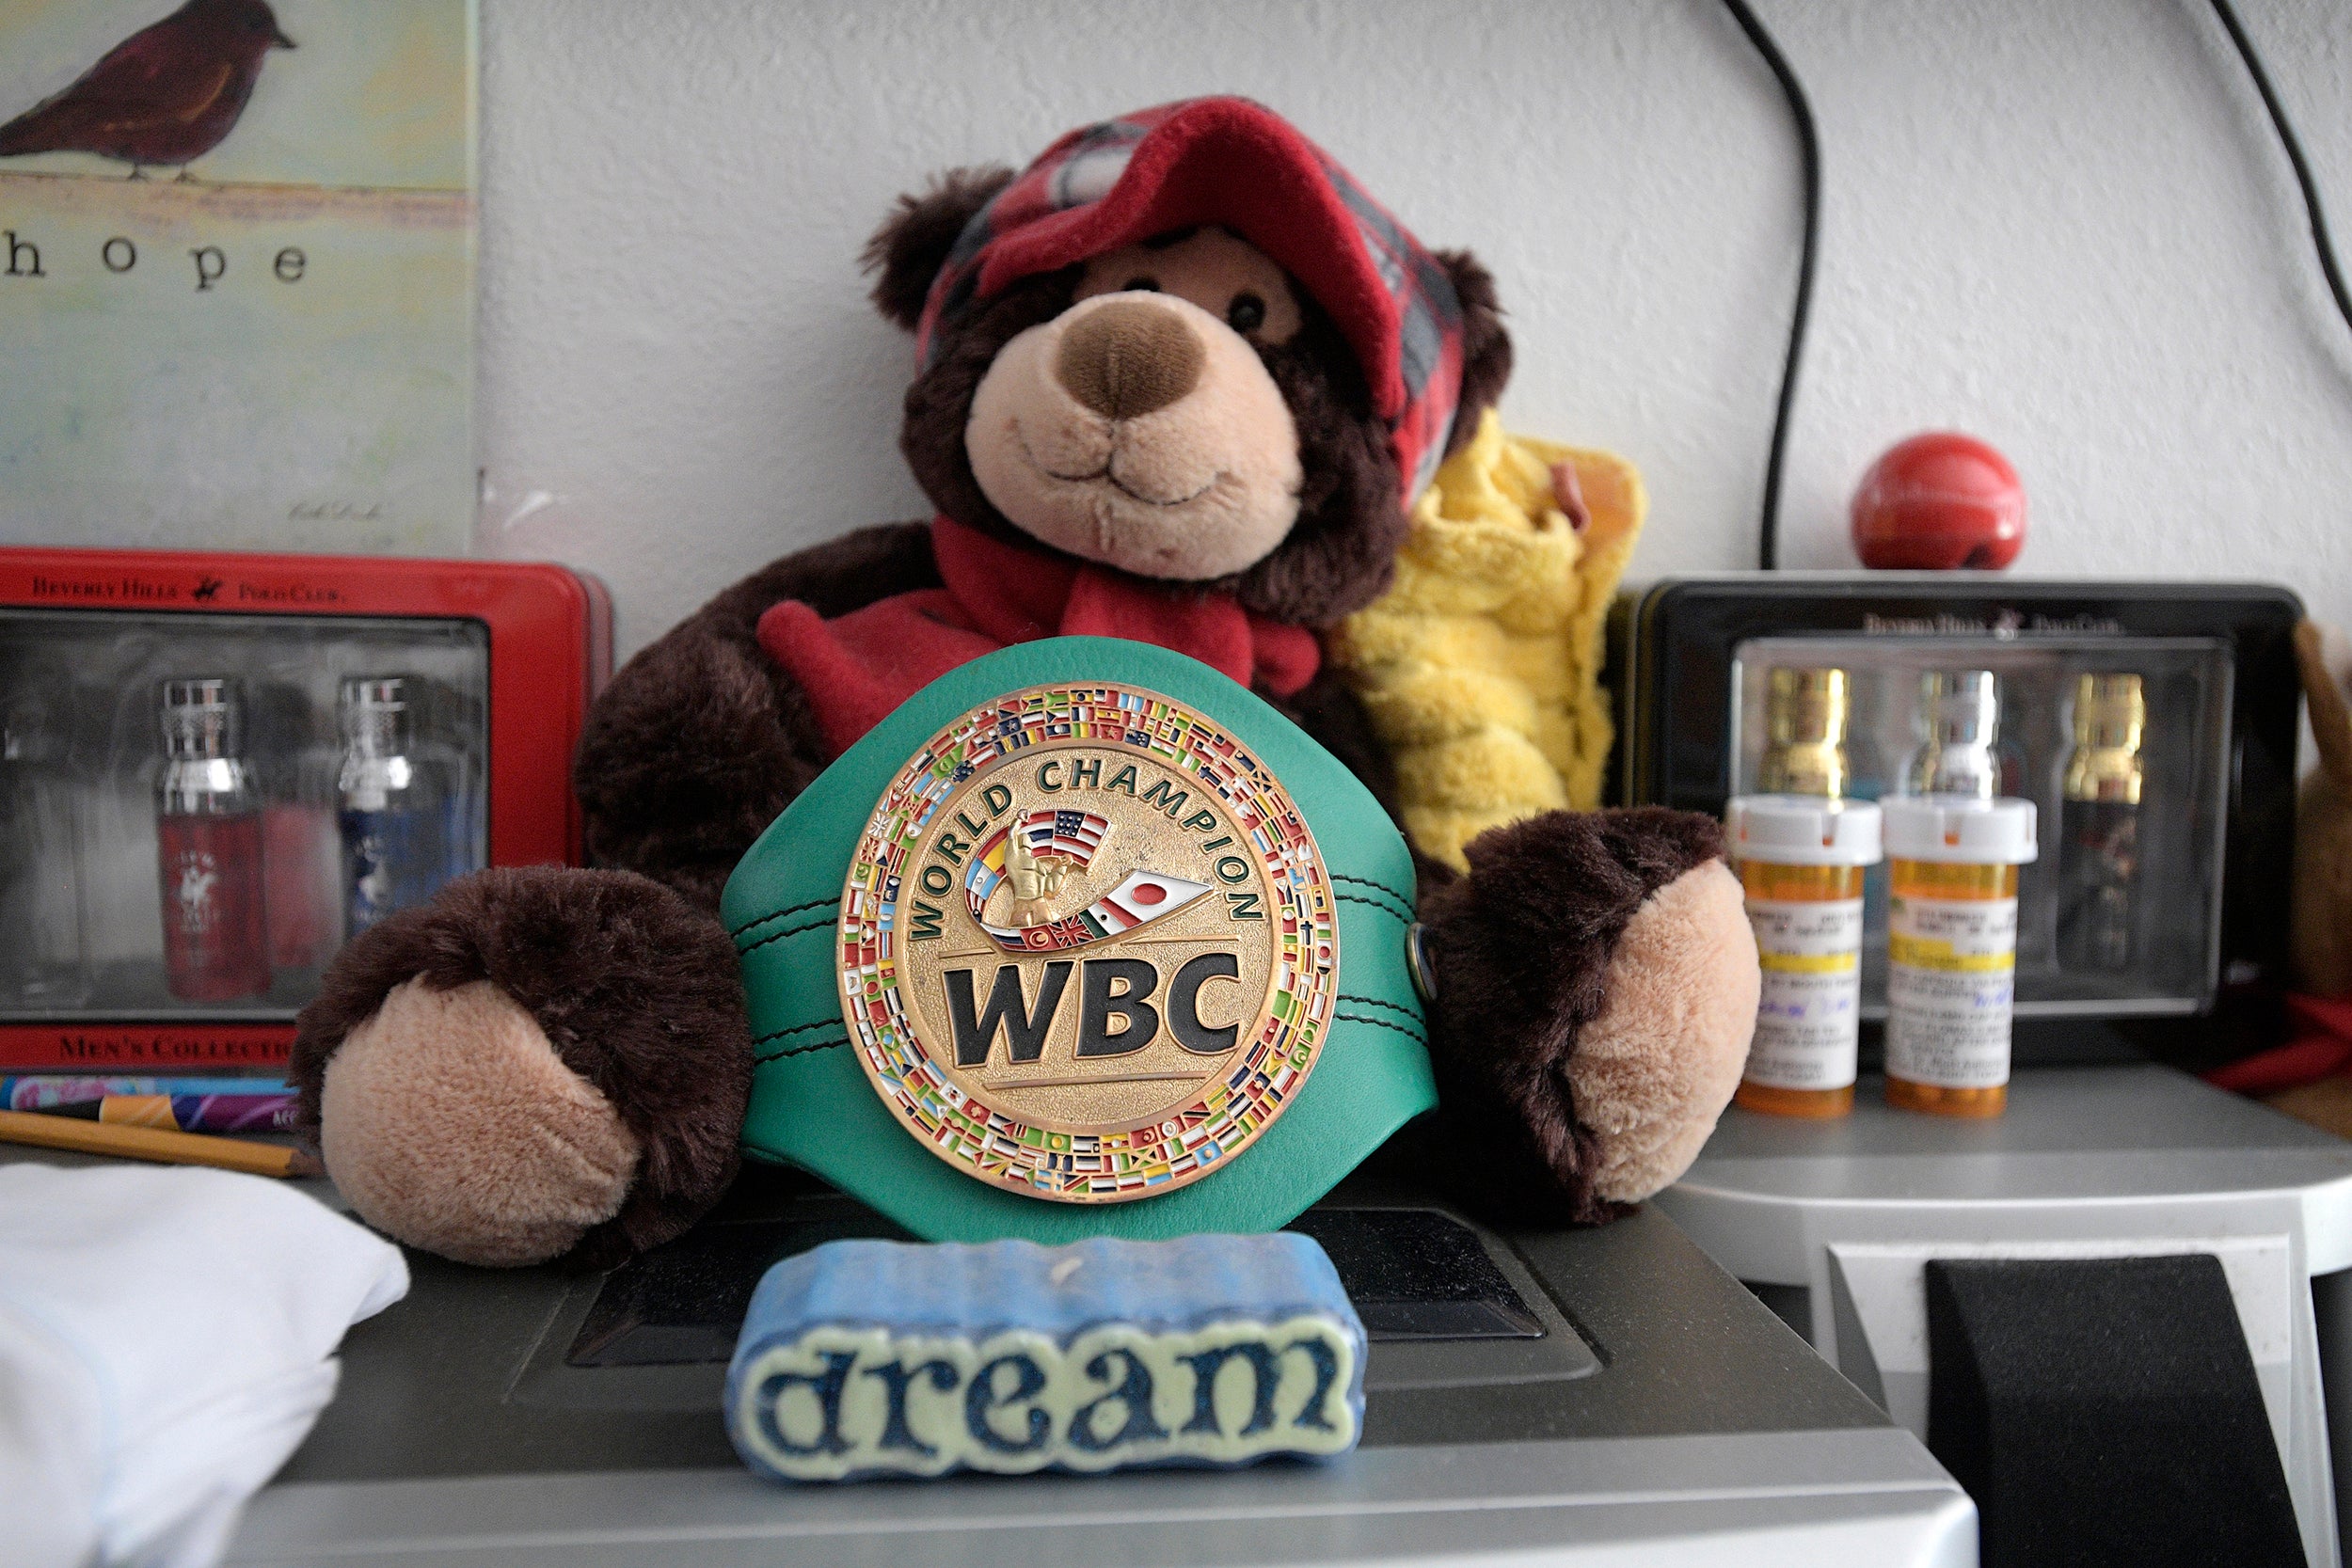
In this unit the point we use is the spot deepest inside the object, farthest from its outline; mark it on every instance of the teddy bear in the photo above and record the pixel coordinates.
(1179, 381)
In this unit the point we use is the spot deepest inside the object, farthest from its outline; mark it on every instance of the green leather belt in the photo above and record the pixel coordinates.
(1049, 855)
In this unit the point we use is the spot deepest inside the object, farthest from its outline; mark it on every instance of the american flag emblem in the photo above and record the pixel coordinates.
(1062, 840)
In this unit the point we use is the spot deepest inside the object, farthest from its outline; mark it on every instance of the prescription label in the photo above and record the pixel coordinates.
(1951, 982)
(1809, 1008)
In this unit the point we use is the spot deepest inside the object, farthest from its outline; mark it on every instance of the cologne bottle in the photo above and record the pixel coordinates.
(392, 806)
(1805, 712)
(1958, 721)
(208, 838)
(45, 922)
(2099, 827)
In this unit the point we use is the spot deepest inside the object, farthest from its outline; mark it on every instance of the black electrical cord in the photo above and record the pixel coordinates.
(2294, 146)
(1809, 152)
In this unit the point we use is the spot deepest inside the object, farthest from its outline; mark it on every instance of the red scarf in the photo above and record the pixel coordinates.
(2321, 1046)
(857, 668)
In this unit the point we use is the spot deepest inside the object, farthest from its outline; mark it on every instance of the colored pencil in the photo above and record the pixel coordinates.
(32, 1091)
(188, 1113)
(155, 1142)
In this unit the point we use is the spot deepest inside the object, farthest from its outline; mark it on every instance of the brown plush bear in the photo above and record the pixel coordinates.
(1179, 381)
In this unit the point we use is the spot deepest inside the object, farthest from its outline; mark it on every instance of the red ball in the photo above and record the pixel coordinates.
(1939, 502)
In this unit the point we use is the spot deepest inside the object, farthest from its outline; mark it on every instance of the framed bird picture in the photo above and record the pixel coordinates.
(237, 274)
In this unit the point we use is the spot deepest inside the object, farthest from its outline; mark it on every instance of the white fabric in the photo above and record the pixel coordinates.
(166, 1341)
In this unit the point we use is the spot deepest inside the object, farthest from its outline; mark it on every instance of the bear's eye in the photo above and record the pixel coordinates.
(1246, 314)
(1143, 283)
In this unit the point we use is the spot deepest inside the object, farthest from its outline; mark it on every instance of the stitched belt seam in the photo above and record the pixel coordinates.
(795, 1029)
(779, 914)
(1368, 1001)
(1415, 1035)
(779, 935)
(799, 1050)
(1374, 904)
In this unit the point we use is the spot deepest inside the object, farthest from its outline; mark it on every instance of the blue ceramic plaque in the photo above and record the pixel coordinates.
(869, 1358)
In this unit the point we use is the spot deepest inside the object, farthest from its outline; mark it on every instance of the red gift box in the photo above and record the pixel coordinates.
(532, 643)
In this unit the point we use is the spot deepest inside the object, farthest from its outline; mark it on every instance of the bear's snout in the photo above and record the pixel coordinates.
(1129, 358)
(1139, 431)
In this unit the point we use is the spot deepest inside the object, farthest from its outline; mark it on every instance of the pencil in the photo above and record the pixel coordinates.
(187, 1112)
(155, 1142)
(31, 1091)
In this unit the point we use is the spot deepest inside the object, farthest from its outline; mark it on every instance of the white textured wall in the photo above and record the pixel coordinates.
(2065, 228)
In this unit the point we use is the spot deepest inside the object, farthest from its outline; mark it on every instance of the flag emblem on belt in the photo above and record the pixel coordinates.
(1028, 860)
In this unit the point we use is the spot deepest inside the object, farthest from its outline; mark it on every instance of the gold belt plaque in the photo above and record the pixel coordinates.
(1087, 945)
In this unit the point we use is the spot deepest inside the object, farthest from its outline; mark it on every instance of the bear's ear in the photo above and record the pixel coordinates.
(1485, 346)
(913, 243)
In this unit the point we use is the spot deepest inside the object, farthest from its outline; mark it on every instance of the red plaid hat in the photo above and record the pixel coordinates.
(1232, 162)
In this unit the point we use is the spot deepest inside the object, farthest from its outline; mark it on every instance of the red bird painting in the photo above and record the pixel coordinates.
(165, 96)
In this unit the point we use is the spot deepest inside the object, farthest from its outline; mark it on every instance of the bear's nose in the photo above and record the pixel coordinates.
(1128, 357)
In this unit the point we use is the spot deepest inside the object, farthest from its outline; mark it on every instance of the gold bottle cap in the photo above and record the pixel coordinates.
(2110, 717)
(2109, 710)
(1805, 729)
(1805, 706)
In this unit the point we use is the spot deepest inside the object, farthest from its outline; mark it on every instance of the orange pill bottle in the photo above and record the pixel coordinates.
(1801, 859)
(1951, 949)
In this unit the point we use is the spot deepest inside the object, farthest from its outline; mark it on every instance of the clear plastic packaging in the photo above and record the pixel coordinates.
(173, 776)
(301, 868)
(2099, 882)
(2136, 792)
(44, 906)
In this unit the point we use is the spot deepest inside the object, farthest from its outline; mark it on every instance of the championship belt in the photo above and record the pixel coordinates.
(1083, 940)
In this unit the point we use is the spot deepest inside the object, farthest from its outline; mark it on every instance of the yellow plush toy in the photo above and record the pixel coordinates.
(1481, 666)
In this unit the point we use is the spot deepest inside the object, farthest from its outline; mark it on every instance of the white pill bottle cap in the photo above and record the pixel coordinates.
(1961, 830)
(1801, 829)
